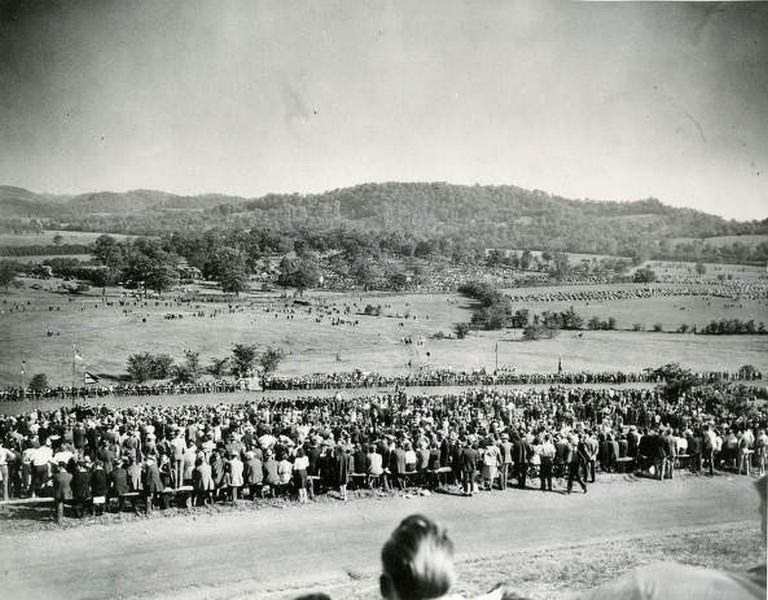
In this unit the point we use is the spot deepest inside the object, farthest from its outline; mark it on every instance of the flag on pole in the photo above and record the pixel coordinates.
(78, 356)
(89, 378)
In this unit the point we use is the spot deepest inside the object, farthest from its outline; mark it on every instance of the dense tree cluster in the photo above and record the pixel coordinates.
(732, 327)
(244, 362)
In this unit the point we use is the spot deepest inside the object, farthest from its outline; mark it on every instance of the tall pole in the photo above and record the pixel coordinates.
(74, 353)
(497, 355)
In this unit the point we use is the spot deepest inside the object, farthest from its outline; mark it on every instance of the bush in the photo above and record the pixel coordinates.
(638, 327)
(144, 366)
(461, 330)
(39, 382)
(658, 327)
(537, 331)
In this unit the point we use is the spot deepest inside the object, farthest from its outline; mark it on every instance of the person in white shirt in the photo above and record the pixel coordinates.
(6, 456)
(41, 460)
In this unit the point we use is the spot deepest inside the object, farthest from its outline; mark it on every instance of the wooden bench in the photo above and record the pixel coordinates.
(625, 464)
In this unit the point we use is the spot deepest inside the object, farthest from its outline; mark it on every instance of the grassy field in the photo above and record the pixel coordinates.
(672, 269)
(107, 335)
(45, 238)
(39, 258)
(726, 240)
(669, 312)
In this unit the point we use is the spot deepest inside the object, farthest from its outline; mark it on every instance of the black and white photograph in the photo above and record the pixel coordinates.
(383, 299)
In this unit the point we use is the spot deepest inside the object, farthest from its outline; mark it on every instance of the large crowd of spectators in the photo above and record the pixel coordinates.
(424, 377)
(734, 290)
(464, 442)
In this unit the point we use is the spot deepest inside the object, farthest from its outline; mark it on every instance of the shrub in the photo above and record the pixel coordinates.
(461, 329)
(39, 382)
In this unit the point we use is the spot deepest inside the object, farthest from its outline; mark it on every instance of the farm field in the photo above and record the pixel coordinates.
(45, 238)
(725, 240)
(107, 335)
(39, 258)
(670, 269)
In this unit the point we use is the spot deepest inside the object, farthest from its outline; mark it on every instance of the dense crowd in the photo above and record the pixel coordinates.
(363, 380)
(475, 439)
(735, 290)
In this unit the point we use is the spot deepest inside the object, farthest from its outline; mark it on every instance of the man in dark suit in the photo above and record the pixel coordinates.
(577, 459)
(151, 482)
(505, 449)
(397, 466)
(469, 459)
(118, 480)
(522, 453)
(81, 488)
(62, 489)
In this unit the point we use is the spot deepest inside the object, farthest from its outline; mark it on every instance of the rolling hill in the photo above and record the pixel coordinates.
(494, 216)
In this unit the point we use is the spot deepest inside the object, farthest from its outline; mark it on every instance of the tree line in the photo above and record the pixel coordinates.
(245, 360)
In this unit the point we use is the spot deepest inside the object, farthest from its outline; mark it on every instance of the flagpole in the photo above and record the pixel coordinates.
(74, 354)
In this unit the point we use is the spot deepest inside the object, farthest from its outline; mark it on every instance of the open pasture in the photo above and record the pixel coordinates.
(671, 270)
(670, 312)
(39, 258)
(107, 335)
(726, 240)
(46, 237)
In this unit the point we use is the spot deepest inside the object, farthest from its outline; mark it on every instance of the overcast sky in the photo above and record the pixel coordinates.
(613, 101)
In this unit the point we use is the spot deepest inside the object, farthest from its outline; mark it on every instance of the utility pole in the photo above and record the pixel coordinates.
(74, 354)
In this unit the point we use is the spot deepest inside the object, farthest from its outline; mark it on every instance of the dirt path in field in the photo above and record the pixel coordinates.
(272, 549)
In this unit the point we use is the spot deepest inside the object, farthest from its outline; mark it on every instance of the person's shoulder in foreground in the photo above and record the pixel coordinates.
(675, 581)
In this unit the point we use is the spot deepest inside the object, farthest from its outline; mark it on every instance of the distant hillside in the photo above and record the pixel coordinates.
(18, 202)
(489, 216)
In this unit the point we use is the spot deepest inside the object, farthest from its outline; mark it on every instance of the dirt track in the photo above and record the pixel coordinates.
(318, 543)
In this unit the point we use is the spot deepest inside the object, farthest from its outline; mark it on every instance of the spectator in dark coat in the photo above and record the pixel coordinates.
(343, 464)
(98, 487)
(118, 479)
(397, 466)
(151, 482)
(62, 489)
(522, 453)
(81, 488)
(469, 459)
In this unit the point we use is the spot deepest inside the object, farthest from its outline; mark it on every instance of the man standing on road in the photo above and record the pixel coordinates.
(710, 439)
(592, 447)
(505, 448)
(62, 490)
(6, 456)
(576, 456)
(469, 459)
(522, 455)
(547, 454)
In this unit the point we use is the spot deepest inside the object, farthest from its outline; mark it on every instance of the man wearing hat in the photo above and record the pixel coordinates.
(151, 482)
(505, 449)
(62, 489)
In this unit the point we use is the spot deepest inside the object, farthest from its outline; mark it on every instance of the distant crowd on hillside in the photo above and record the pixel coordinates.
(734, 290)
(555, 439)
(366, 380)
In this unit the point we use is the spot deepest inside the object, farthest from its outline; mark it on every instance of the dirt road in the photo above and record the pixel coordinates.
(304, 545)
